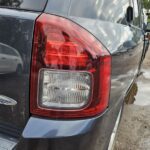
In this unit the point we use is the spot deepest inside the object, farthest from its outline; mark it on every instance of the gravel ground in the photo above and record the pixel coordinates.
(134, 130)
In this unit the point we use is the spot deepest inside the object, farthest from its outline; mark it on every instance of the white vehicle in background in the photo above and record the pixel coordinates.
(145, 16)
(10, 60)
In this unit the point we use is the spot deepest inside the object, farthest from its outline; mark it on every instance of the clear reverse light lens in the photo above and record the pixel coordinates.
(64, 89)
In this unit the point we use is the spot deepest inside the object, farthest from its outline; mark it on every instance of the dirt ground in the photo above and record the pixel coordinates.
(134, 130)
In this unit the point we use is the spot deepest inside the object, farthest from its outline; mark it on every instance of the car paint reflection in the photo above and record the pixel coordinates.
(110, 10)
(16, 32)
(10, 60)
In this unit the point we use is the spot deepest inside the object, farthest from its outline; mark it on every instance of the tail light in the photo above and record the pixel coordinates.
(70, 76)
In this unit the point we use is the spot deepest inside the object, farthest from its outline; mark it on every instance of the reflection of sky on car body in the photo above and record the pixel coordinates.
(101, 9)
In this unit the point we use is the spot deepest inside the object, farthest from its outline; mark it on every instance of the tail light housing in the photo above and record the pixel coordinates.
(71, 69)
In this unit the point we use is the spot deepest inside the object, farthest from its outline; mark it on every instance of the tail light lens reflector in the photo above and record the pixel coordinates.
(64, 90)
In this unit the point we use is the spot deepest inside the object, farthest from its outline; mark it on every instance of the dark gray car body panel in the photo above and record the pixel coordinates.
(125, 44)
(16, 30)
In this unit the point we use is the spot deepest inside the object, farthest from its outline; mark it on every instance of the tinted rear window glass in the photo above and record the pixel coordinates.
(37, 5)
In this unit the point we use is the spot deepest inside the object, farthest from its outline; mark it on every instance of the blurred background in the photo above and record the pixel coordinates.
(134, 130)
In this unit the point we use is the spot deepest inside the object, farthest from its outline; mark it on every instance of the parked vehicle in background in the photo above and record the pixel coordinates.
(145, 16)
(81, 58)
(147, 38)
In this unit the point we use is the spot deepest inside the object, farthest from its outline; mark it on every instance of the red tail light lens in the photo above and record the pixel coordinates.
(70, 76)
